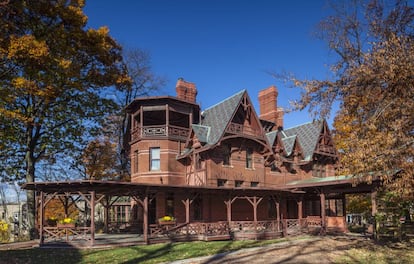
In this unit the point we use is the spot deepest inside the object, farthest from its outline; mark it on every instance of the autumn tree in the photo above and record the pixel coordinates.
(373, 81)
(53, 71)
(100, 160)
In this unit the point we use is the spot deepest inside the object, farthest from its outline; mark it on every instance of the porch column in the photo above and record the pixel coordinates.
(106, 214)
(254, 202)
(323, 211)
(228, 207)
(374, 212)
(42, 217)
(373, 203)
(300, 208)
(187, 203)
(92, 217)
(277, 214)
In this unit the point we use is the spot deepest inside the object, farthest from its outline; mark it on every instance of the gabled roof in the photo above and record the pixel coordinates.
(271, 137)
(289, 143)
(218, 116)
(201, 132)
(308, 136)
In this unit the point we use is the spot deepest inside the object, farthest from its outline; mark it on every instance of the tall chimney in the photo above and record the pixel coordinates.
(186, 90)
(268, 107)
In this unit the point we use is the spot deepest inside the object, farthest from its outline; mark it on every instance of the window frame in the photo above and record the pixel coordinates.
(153, 166)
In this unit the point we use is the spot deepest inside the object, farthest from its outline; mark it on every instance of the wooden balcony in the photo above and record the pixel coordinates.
(160, 131)
(239, 129)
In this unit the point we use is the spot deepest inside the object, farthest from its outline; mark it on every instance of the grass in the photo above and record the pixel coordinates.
(379, 254)
(365, 252)
(157, 253)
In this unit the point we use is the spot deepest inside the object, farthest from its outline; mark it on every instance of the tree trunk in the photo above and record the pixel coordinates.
(30, 177)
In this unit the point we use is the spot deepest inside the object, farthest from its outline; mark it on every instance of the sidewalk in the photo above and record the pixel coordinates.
(20, 245)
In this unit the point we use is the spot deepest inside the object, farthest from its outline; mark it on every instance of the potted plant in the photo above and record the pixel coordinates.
(167, 220)
(66, 222)
(52, 221)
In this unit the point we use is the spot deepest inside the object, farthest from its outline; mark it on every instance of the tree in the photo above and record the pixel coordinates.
(53, 73)
(143, 82)
(373, 79)
(99, 159)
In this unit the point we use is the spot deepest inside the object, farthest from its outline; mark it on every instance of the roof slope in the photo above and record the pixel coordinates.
(308, 136)
(218, 116)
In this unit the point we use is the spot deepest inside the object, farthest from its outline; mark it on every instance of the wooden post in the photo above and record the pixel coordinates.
(300, 208)
(92, 204)
(228, 207)
(323, 212)
(374, 212)
(277, 214)
(145, 222)
(106, 213)
(42, 216)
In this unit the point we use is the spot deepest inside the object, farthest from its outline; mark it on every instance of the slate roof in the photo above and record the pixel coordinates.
(202, 132)
(215, 119)
(218, 116)
(289, 143)
(307, 134)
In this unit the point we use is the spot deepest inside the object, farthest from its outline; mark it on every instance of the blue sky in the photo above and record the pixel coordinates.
(222, 46)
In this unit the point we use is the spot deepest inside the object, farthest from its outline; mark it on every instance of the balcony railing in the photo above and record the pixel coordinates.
(235, 128)
(159, 131)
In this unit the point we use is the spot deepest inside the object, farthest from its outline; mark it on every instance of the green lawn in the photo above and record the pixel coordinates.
(364, 252)
(134, 254)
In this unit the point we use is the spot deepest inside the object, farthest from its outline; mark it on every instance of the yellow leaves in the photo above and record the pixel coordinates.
(64, 64)
(78, 13)
(27, 47)
(22, 83)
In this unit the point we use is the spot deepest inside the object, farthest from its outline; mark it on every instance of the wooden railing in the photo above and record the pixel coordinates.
(51, 233)
(235, 128)
(197, 228)
(250, 226)
(313, 221)
(159, 131)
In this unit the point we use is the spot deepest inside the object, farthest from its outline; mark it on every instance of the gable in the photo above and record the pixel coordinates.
(218, 116)
(308, 135)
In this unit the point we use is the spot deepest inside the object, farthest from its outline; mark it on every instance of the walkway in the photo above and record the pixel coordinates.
(322, 249)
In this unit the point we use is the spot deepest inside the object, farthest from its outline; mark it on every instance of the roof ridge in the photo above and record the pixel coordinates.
(307, 123)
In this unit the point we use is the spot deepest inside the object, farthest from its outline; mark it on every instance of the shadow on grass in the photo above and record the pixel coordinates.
(150, 253)
(64, 253)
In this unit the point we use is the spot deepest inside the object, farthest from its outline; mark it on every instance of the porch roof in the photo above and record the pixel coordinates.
(129, 188)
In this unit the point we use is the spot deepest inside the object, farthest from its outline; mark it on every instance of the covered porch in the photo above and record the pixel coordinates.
(235, 213)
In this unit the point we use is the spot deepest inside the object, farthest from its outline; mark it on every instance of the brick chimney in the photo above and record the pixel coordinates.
(186, 90)
(268, 107)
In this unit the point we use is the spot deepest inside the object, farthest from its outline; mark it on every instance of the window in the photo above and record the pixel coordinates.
(238, 183)
(154, 159)
(227, 155)
(249, 160)
(221, 182)
(136, 161)
(169, 205)
(254, 184)
(120, 213)
(198, 162)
